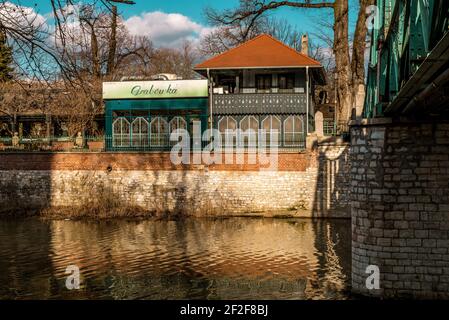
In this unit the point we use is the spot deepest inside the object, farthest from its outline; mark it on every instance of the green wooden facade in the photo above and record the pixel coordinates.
(153, 119)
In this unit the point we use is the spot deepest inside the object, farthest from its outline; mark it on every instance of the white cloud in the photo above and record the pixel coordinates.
(166, 29)
(14, 15)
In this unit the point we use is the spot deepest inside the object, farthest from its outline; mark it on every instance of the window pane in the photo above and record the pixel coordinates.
(291, 82)
(288, 139)
(136, 126)
(222, 124)
(143, 126)
(244, 124)
(182, 123)
(282, 82)
(298, 124)
(268, 82)
(254, 124)
(266, 125)
(177, 123)
(275, 123)
(118, 126)
(232, 123)
(263, 81)
(288, 124)
(163, 126)
(155, 125)
(125, 126)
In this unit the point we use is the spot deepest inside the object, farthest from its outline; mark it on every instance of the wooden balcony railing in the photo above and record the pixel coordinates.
(258, 103)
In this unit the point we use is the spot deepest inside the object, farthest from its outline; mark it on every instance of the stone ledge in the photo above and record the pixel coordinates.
(370, 122)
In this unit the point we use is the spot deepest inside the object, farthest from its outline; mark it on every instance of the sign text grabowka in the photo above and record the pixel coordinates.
(155, 89)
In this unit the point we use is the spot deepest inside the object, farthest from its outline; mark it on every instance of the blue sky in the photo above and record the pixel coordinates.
(168, 22)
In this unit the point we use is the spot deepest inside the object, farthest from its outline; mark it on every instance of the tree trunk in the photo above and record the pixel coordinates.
(112, 43)
(358, 52)
(342, 63)
(95, 54)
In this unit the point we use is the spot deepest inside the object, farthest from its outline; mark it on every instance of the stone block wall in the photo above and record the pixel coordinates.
(400, 208)
(312, 183)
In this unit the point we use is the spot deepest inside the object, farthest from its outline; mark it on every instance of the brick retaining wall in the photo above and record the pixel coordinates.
(313, 183)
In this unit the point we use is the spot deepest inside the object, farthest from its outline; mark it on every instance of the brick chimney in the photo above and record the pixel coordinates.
(305, 44)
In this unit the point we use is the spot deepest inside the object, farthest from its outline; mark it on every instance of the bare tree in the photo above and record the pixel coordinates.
(63, 66)
(177, 61)
(135, 57)
(349, 73)
(228, 35)
(113, 40)
(59, 70)
(225, 37)
(284, 31)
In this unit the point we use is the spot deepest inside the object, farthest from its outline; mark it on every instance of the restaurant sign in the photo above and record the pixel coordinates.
(155, 89)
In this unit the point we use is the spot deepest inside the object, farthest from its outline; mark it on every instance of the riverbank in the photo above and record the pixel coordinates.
(313, 183)
(136, 213)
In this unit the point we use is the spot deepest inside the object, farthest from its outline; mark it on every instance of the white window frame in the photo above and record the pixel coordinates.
(124, 137)
(248, 139)
(162, 137)
(271, 132)
(228, 131)
(142, 138)
(293, 132)
(178, 120)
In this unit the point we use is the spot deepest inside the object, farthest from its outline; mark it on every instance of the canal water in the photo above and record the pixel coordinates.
(235, 258)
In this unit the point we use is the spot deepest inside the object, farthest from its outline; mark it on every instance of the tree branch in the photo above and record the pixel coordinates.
(260, 7)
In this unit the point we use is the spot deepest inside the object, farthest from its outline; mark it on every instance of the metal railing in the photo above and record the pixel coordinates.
(329, 127)
(238, 140)
(52, 143)
(148, 143)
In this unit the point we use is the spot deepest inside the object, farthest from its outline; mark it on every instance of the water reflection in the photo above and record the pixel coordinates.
(233, 258)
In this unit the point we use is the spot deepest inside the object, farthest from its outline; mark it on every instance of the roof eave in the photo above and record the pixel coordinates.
(259, 67)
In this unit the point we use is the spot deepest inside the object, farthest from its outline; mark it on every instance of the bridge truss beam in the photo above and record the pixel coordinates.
(404, 35)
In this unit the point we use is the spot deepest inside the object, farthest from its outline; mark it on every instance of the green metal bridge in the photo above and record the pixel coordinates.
(408, 72)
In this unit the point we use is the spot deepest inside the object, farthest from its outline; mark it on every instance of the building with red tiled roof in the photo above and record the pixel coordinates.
(263, 84)
(263, 51)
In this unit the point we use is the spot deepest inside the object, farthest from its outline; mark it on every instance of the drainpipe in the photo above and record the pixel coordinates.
(211, 92)
(307, 101)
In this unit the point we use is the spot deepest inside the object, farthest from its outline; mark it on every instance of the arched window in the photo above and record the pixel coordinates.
(159, 132)
(227, 127)
(249, 126)
(140, 132)
(294, 132)
(120, 134)
(175, 124)
(272, 127)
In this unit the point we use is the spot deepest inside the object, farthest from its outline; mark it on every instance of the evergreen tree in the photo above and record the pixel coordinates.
(5, 59)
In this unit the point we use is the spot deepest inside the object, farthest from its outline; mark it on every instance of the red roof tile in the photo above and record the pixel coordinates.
(261, 51)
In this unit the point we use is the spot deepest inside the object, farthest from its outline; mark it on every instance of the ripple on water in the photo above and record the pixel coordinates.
(196, 259)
